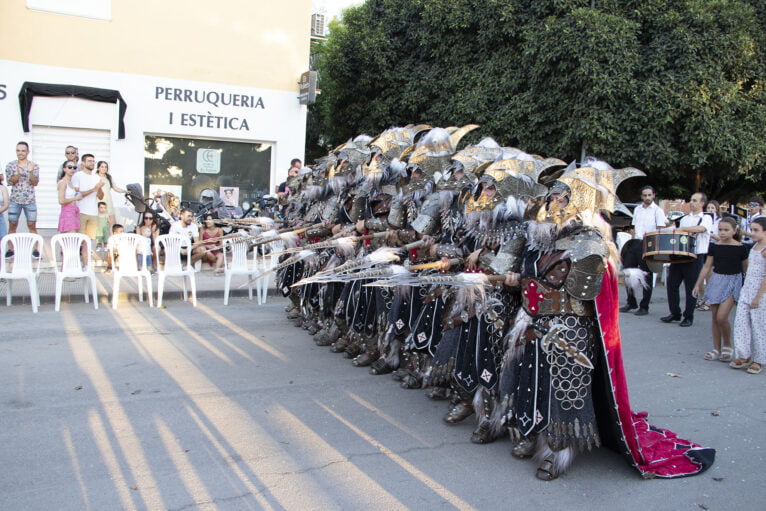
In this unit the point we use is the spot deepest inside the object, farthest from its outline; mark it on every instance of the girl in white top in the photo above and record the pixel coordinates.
(69, 218)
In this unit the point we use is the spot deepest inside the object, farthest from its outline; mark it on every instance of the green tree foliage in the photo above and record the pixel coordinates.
(674, 87)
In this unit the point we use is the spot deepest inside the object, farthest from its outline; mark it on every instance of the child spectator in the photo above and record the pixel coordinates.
(102, 233)
(725, 261)
(750, 321)
(116, 229)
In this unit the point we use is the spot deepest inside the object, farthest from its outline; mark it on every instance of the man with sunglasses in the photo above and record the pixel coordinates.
(754, 208)
(72, 155)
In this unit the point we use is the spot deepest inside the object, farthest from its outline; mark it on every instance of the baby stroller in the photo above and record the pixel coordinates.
(135, 196)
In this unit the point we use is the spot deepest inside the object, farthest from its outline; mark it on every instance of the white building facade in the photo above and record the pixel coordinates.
(217, 124)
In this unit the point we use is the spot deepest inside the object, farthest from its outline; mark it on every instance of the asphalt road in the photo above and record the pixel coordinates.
(231, 408)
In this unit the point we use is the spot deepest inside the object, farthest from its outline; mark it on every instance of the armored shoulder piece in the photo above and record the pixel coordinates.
(587, 251)
(396, 213)
(509, 256)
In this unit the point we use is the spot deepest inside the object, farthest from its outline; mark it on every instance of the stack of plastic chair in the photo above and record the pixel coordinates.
(174, 267)
(128, 247)
(25, 266)
(69, 246)
(239, 265)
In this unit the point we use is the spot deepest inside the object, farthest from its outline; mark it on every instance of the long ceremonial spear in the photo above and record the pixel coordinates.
(342, 272)
(284, 264)
(347, 240)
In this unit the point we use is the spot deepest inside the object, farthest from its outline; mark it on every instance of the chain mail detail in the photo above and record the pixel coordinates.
(570, 380)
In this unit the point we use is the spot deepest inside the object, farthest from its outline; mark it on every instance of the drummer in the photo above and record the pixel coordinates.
(647, 217)
(700, 225)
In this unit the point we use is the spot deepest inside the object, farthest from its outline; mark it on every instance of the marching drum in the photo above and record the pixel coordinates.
(668, 247)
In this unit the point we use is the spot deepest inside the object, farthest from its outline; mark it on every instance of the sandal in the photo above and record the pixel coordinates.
(754, 368)
(714, 355)
(727, 352)
(740, 363)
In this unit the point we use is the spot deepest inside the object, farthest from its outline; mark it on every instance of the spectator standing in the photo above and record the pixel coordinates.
(72, 154)
(23, 175)
(103, 172)
(4, 200)
(294, 170)
(699, 225)
(750, 321)
(723, 271)
(83, 181)
(647, 217)
(713, 209)
(754, 210)
(69, 218)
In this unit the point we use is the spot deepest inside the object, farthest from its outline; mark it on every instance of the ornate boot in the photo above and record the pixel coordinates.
(380, 366)
(438, 393)
(483, 404)
(366, 358)
(328, 335)
(459, 412)
(551, 464)
(341, 344)
(461, 405)
(354, 348)
(523, 447)
(313, 328)
(411, 377)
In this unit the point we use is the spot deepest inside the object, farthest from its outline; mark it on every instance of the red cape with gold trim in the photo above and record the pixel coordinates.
(654, 451)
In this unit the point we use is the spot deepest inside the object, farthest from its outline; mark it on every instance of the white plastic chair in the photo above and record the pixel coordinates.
(239, 265)
(128, 247)
(69, 245)
(266, 262)
(24, 265)
(174, 267)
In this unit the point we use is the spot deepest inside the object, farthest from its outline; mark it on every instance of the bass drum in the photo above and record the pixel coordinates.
(662, 247)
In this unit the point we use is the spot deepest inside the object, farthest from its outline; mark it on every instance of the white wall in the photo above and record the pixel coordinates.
(281, 121)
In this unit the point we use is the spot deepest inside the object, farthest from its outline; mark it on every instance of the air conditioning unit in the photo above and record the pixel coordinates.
(317, 25)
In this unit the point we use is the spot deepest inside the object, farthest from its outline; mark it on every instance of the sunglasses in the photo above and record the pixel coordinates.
(753, 205)
(148, 218)
(70, 167)
(71, 152)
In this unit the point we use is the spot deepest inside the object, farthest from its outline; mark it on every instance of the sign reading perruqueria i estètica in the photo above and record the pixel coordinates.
(212, 101)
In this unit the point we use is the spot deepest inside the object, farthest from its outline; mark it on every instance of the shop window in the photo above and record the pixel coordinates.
(237, 171)
(96, 9)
